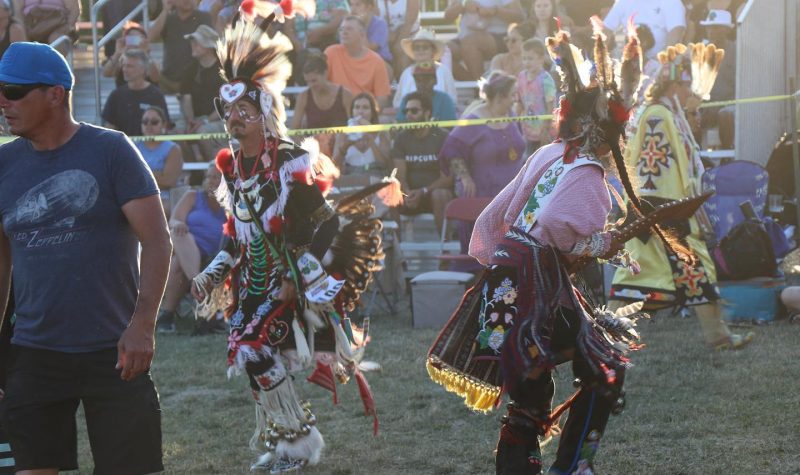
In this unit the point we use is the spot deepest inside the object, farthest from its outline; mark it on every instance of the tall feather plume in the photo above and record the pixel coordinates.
(630, 71)
(567, 58)
(706, 60)
(602, 60)
(246, 51)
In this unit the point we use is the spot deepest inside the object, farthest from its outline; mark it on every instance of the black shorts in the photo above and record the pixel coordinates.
(43, 391)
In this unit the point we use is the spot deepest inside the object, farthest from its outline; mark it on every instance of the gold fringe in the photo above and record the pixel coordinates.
(478, 395)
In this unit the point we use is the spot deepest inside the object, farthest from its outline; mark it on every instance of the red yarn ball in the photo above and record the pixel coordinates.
(224, 161)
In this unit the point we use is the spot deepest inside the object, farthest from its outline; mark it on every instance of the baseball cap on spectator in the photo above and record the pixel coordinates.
(205, 36)
(423, 35)
(425, 69)
(133, 26)
(718, 18)
(35, 63)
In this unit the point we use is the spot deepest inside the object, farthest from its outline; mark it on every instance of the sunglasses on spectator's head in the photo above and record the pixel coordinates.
(15, 92)
(151, 121)
(421, 46)
(412, 110)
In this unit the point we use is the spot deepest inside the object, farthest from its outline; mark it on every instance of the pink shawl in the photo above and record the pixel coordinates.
(578, 209)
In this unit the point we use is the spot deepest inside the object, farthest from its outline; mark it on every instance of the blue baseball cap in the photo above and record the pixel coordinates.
(35, 63)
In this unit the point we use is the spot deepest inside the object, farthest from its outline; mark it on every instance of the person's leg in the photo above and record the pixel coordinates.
(459, 72)
(475, 48)
(123, 418)
(726, 122)
(589, 412)
(177, 286)
(400, 59)
(518, 451)
(38, 410)
(716, 332)
(439, 199)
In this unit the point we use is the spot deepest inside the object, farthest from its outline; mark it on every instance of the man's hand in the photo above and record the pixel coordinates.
(192, 126)
(616, 245)
(199, 290)
(413, 199)
(135, 349)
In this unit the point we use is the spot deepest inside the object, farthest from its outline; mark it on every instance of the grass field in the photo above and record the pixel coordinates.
(690, 411)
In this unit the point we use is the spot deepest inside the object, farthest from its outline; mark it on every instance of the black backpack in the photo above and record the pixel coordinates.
(746, 252)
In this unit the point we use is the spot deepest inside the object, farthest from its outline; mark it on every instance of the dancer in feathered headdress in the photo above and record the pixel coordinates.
(279, 231)
(524, 317)
(666, 158)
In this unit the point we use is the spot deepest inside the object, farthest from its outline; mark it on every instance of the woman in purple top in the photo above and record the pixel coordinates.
(483, 159)
(196, 231)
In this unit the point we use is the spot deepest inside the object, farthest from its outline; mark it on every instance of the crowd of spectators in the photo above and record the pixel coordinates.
(369, 61)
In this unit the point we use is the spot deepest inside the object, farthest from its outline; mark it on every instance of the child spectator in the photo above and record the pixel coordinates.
(536, 94)
(424, 48)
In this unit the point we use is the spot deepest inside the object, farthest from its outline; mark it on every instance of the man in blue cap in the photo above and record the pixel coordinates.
(76, 201)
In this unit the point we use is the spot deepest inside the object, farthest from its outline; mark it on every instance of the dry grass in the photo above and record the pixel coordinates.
(690, 411)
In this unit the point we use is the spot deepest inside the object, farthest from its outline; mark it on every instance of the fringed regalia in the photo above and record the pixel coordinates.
(524, 316)
(281, 233)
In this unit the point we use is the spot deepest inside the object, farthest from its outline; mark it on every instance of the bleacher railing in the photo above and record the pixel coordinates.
(98, 43)
(64, 39)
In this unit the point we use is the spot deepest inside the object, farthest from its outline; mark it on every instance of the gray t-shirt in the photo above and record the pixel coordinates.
(75, 257)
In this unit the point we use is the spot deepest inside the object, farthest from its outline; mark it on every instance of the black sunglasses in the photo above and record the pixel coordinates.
(151, 121)
(15, 92)
(413, 110)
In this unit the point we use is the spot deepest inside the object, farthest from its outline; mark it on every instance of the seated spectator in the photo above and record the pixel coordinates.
(317, 33)
(377, 28)
(10, 30)
(665, 18)
(483, 159)
(196, 231)
(199, 90)
(718, 28)
(126, 104)
(133, 37)
(177, 19)
(415, 154)
(481, 28)
(424, 48)
(323, 104)
(443, 106)
(536, 95)
(542, 18)
(163, 157)
(579, 12)
(46, 20)
(403, 19)
(363, 153)
(511, 62)
(356, 67)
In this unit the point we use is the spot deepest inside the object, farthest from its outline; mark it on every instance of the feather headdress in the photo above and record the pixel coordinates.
(254, 63)
(696, 63)
(593, 103)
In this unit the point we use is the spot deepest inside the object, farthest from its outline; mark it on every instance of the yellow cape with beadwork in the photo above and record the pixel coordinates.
(665, 162)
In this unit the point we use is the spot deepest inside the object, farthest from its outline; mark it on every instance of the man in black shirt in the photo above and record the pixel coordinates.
(415, 155)
(126, 104)
(177, 19)
(199, 89)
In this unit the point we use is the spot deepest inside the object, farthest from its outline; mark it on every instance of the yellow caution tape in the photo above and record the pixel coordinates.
(354, 129)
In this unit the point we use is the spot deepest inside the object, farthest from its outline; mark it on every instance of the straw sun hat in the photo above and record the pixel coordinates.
(423, 35)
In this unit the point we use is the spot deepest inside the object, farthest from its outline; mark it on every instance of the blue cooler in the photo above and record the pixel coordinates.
(754, 300)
